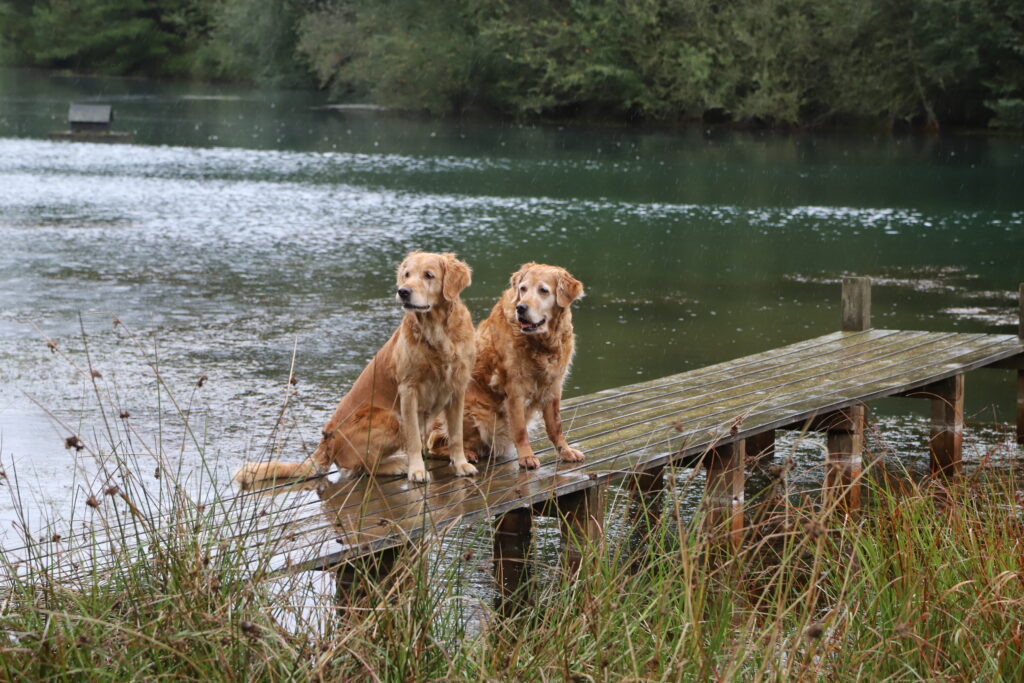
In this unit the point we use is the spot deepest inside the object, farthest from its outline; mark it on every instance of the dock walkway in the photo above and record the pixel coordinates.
(721, 415)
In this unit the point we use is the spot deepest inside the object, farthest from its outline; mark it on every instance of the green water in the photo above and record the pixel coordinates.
(243, 224)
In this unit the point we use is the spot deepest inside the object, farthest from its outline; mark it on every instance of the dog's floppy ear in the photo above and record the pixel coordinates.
(569, 289)
(457, 276)
(513, 281)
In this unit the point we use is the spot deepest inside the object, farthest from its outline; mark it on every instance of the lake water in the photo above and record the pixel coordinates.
(244, 226)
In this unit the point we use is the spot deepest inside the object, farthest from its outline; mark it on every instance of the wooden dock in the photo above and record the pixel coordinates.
(721, 416)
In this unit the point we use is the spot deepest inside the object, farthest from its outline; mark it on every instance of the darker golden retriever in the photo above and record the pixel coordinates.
(523, 352)
(421, 372)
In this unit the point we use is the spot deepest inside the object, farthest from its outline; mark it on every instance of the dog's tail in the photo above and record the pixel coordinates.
(437, 440)
(252, 473)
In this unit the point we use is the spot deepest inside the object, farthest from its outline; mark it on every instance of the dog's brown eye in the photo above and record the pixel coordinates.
(523, 288)
(428, 275)
(545, 290)
(407, 273)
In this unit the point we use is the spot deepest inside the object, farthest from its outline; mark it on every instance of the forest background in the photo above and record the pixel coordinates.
(779, 63)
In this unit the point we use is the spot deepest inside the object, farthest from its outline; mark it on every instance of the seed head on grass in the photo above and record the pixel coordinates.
(73, 442)
(92, 502)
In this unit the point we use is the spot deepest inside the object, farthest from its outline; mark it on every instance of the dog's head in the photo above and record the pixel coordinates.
(542, 293)
(425, 280)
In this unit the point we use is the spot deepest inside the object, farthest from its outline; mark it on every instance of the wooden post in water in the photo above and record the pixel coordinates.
(761, 447)
(844, 435)
(512, 532)
(723, 492)
(856, 304)
(648, 482)
(946, 441)
(352, 577)
(1020, 371)
(581, 518)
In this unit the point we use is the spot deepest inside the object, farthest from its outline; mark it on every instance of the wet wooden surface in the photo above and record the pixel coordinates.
(622, 431)
(319, 524)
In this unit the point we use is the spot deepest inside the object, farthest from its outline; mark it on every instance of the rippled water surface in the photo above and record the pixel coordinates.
(242, 228)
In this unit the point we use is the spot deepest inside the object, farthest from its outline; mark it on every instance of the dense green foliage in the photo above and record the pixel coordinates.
(788, 62)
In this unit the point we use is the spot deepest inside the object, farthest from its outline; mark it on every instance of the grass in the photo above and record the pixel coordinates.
(926, 583)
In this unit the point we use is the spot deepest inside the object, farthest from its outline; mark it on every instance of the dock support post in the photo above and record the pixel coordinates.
(760, 448)
(352, 577)
(947, 435)
(648, 482)
(581, 518)
(1020, 371)
(856, 304)
(844, 430)
(723, 492)
(512, 533)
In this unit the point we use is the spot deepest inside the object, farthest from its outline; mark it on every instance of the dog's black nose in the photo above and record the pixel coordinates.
(521, 309)
(404, 293)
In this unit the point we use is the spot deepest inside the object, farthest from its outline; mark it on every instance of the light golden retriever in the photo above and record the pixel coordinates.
(523, 352)
(421, 372)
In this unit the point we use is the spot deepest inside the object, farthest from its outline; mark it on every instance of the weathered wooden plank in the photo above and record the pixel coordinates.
(797, 367)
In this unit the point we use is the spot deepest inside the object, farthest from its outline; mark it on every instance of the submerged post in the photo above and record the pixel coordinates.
(512, 532)
(947, 436)
(856, 304)
(723, 492)
(844, 431)
(1020, 371)
(581, 516)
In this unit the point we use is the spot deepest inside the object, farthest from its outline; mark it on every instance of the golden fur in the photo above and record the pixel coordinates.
(522, 358)
(420, 372)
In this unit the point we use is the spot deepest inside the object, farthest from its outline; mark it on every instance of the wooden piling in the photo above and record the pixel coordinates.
(512, 534)
(856, 304)
(946, 443)
(1020, 371)
(723, 492)
(353, 576)
(648, 482)
(760, 448)
(844, 430)
(581, 518)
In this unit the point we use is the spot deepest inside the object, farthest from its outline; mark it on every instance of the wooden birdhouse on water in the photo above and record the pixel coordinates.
(90, 118)
(91, 123)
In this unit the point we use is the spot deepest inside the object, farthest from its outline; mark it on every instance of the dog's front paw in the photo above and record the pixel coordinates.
(464, 469)
(419, 476)
(530, 462)
(570, 454)
(472, 456)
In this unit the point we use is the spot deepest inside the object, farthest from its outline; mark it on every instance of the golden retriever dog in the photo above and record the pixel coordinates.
(523, 352)
(421, 372)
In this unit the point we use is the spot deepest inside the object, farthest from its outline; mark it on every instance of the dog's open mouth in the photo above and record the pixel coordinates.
(527, 326)
(413, 307)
